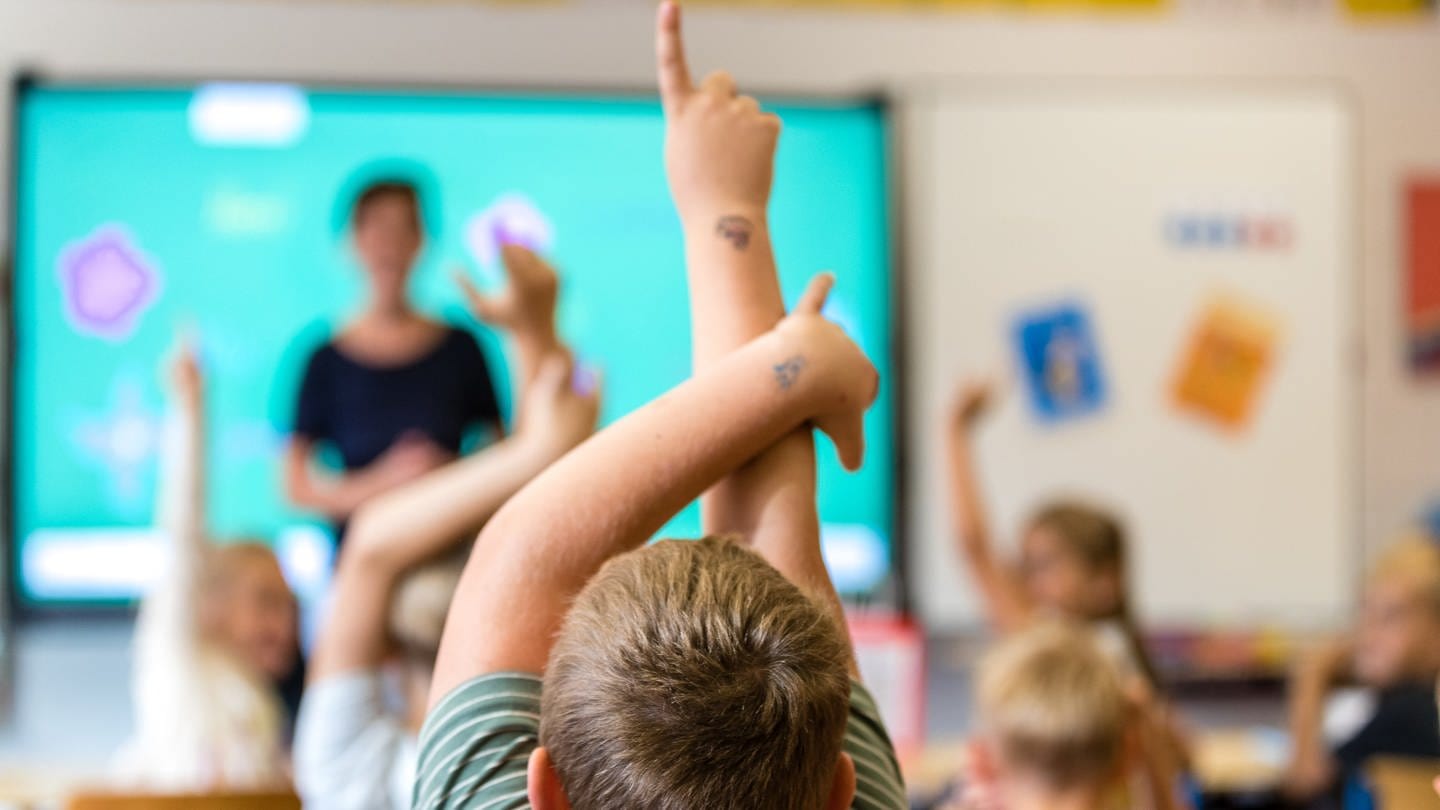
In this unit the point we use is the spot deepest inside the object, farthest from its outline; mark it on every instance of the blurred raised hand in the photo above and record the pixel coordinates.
(526, 305)
(560, 413)
(972, 401)
(183, 375)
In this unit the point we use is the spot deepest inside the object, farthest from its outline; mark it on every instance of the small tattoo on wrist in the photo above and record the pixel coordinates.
(787, 373)
(735, 230)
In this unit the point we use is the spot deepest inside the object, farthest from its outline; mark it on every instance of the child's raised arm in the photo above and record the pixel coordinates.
(1312, 769)
(420, 520)
(525, 308)
(423, 519)
(612, 492)
(720, 154)
(1005, 600)
(168, 626)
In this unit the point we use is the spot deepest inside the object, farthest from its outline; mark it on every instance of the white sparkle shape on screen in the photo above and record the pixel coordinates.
(512, 219)
(122, 442)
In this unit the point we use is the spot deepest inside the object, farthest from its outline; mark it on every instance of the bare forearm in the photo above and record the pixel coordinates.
(335, 496)
(608, 496)
(416, 521)
(734, 293)
(402, 529)
(1004, 599)
(182, 485)
(734, 297)
(1307, 707)
(972, 525)
(1162, 756)
(770, 501)
(780, 514)
(167, 625)
(532, 347)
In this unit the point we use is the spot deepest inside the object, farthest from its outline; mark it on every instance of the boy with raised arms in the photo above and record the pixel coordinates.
(582, 670)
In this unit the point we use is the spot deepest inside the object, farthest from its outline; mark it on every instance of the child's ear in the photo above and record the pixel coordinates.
(543, 784)
(842, 791)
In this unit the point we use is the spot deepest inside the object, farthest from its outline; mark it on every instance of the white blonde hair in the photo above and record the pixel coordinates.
(420, 603)
(1054, 706)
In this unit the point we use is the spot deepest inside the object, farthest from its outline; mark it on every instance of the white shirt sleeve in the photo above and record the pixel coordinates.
(201, 720)
(348, 745)
(166, 631)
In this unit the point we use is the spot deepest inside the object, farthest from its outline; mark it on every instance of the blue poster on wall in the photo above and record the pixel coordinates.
(1059, 360)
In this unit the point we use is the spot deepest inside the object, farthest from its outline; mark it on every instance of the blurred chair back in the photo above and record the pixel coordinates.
(215, 801)
(1403, 784)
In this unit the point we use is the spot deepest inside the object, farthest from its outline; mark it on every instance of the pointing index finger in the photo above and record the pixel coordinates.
(816, 294)
(674, 72)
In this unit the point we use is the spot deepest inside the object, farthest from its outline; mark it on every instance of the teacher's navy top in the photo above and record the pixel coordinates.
(364, 409)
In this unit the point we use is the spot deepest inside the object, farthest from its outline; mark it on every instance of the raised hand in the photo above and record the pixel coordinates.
(559, 413)
(527, 304)
(184, 376)
(848, 382)
(972, 401)
(719, 146)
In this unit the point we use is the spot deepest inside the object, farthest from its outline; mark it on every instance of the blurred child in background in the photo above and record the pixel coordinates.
(1058, 730)
(1073, 565)
(399, 569)
(1073, 557)
(1394, 656)
(213, 635)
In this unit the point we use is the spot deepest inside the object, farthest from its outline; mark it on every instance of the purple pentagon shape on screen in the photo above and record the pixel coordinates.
(107, 284)
(511, 220)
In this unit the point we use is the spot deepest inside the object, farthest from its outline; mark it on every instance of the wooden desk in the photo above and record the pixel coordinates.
(236, 801)
(1401, 784)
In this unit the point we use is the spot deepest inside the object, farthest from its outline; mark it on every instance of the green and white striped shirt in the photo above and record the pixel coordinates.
(476, 745)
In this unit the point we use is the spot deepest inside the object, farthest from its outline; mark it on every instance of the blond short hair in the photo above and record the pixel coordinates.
(225, 561)
(1414, 560)
(1054, 706)
(419, 605)
(693, 675)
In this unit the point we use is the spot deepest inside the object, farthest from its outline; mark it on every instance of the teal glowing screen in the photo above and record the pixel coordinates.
(222, 208)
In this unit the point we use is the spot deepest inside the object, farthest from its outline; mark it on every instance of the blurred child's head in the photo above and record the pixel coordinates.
(1053, 714)
(1398, 638)
(388, 233)
(1074, 562)
(418, 609)
(248, 607)
(692, 674)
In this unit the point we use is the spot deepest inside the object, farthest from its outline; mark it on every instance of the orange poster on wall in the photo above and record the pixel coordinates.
(1227, 360)
(1422, 287)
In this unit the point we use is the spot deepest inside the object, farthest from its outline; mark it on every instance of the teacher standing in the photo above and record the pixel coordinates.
(394, 392)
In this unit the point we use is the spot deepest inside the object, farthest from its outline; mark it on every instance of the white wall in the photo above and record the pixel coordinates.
(1015, 212)
(1391, 71)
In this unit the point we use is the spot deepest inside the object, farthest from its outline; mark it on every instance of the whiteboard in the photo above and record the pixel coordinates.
(1023, 196)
